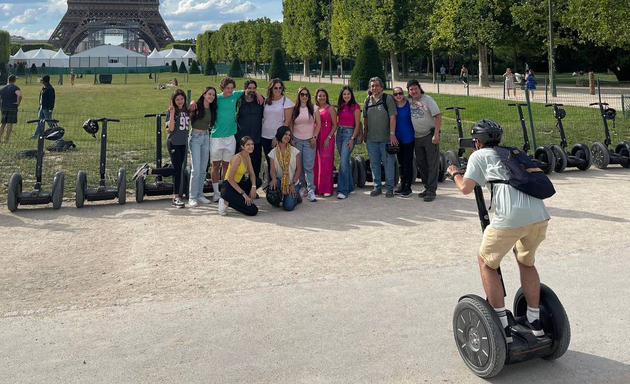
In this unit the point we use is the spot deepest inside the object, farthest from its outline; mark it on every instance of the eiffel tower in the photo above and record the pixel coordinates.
(88, 18)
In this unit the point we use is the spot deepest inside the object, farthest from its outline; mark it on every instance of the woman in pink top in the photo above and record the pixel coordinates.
(325, 151)
(349, 117)
(305, 128)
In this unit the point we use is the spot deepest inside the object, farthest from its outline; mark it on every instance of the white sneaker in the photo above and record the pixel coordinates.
(311, 196)
(352, 192)
(341, 196)
(303, 192)
(203, 200)
(222, 208)
(216, 196)
(327, 194)
(193, 203)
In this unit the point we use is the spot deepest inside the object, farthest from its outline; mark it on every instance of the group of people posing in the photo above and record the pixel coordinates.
(231, 130)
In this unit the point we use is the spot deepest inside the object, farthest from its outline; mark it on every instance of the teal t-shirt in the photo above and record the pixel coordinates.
(225, 125)
(512, 208)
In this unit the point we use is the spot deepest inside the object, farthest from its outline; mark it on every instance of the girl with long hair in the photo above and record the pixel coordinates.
(325, 151)
(348, 121)
(278, 112)
(237, 192)
(305, 128)
(203, 117)
(285, 169)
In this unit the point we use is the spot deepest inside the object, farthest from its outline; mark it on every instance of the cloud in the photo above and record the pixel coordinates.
(28, 17)
(241, 8)
(42, 34)
(223, 6)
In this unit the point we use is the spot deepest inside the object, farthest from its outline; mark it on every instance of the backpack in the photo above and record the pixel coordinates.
(525, 175)
(62, 146)
(27, 154)
(383, 102)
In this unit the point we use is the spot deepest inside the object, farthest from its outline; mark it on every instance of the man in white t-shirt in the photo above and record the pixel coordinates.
(519, 224)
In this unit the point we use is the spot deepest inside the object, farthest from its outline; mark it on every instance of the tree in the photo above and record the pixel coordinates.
(278, 67)
(174, 66)
(271, 36)
(3, 73)
(33, 69)
(300, 29)
(182, 68)
(209, 69)
(348, 26)
(20, 69)
(5, 47)
(235, 69)
(387, 19)
(194, 68)
(366, 67)
(203, 46)
(15, 47)
(183, 45)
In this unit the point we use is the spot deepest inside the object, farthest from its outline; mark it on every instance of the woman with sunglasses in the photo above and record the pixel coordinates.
(325, 151)
(278, 112)
(405, 136)
(306, 126)
(348, 121)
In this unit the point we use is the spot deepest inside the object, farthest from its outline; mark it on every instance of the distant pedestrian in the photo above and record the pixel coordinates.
(72, 76)
(46, 105)
(510, 82)
(10, 99)
(443, 73)
(530, 84)
(463, 74)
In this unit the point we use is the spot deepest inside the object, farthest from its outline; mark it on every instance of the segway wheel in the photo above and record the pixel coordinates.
(361, 171)
(479, 337)
(122, 186)
(368, 171)
(186, 183)
(57, 190)
(15, 189)
(442, 168)
(544, 155)
(561, 158)
(140, 185)
(355, 171)
(600, 155)
(553, 318)
(623, 150)
(80, 189)
(582, 152)
(452, 158)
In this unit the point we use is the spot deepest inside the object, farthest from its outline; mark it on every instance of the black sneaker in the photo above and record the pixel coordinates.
(400, 190)
(178, 203)
(536, 328)
(429, 198)
(406, 192)
(376, 192)
(422, 194)
(508, 335)
(389, 193)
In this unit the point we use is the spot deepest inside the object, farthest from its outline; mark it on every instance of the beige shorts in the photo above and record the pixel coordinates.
(525, 240)
(222, 148)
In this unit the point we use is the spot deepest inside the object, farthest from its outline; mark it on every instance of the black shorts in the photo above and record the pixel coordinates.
(9, 116)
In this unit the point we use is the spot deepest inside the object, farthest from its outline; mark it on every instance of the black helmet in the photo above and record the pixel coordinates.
(392, 149)
(54, 133)
(611, 113)
(91, 127)
(560, 114)
(487, 132)
(274, 196)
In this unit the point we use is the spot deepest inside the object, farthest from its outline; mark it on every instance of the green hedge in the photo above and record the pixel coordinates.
(5, 46)
(278, 67)
(368, 64)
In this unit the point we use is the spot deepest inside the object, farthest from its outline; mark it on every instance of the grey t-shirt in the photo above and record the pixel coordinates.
(378, 117)
(179, 136)
(512, 208)
(423, 112)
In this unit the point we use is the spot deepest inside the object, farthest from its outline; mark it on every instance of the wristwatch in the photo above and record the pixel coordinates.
(392, 133)
(314, 137)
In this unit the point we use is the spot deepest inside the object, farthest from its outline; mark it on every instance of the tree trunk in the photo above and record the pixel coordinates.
(433, 65)
(404, 65)
(622, 72)
(492, 63)
(394, 59)
(451, 63)
(307, 67)
(428, 65)
(341, 63)
(323, 67)
(483, 66)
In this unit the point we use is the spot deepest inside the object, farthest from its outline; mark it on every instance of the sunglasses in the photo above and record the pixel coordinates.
(398, 93)
(304, 94)
(278, 88)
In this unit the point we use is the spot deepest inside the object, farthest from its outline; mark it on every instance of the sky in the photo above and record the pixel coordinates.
(37, 19)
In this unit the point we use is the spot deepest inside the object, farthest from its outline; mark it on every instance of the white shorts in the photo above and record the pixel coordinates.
(222, 148)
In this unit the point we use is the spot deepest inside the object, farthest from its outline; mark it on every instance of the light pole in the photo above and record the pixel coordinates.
(552, 63)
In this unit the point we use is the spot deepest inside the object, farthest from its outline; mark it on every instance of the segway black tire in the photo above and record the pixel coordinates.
(553, 317)
(369, 176)
(581, 151)
(479, 337)
(442, 168)
(623, 150)
(452, 158)
(354, 170)
(545, 155)
(57, 190)
(15, 189)
(140, 185)
(600, 155)
(361, 171)
(186, 183)
(122, 186)
(562, 160)
(80, 189)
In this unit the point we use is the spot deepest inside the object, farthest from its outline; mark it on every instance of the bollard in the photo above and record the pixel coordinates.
(546, 90)
(591, 82)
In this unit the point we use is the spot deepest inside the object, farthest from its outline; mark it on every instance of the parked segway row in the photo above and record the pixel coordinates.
(543, 155)
(38, 196)
(579, 157)
(600, 151)
(102, 192)
(457, 158)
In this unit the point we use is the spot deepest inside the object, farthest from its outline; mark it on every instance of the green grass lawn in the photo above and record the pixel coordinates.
(132, 141)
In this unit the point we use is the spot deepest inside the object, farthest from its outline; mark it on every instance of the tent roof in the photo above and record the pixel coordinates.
(173, 54)
(40, 54)
(155, 54)
(60, 55)
(108, 51)
(190, 54)
(19, 55)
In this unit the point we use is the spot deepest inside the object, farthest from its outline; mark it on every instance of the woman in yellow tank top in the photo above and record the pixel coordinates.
(234, 190)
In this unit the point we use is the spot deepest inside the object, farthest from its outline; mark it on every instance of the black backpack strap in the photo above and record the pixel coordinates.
(492, 184)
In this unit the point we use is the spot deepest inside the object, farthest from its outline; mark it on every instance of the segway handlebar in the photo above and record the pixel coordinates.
(52, 121)
(515, 104)
(447, 108)
(591, 104)
(155, 114)
(551, 105)
(107, 119)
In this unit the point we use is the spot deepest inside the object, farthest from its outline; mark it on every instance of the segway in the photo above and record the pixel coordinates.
(457, 158)
(543, 156)
(37, 196)
(479, 335)
(579, 157)
(102, 192)
(601, 153)
(361, 167)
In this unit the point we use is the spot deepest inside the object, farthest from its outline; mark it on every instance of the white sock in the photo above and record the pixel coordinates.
(502, 316)
(533, 314)
(215, 187)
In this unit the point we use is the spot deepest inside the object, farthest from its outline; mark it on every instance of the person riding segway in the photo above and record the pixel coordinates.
(487, 335)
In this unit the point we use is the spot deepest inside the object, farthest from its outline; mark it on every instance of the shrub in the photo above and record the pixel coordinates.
(235, 69)
(368, 64)
(33, 69)
(194, 68)
(174, 66)
(278, 67)
(20, 69)
(209, 69)
(3, 73)
(182, 67)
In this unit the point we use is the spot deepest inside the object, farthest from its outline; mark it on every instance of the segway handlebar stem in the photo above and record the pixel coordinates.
(448, 108)
(154, 114)
(551, 105)
(107, 119)
(517, 104)
(52, 121)
(591, 104)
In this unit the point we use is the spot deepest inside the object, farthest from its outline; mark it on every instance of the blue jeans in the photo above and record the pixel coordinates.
(378, 154)
(288, 202)
(345, 183)
(307, 157)
(199, 145)
(42, 114)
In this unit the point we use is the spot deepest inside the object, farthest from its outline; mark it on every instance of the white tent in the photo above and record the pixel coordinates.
(108, 56)
(174, 54)
(155, 59)
(40, 57)
(20, 56)
(60, 59)
(189, 57)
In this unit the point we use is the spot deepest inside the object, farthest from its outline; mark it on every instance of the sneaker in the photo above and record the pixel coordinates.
(352, 192)
(536, 328)
(341, 196)
(142, 171)
(327, 194)
(222, 208)
(216, 196)
(406, 192)
(178, 203)
(193, 203)
(422, 194)
(389, 193)
(203, 200)
(311, 196)
(376, 192)
(508, 335)
(302, 192)
(429, 198)
(400, 190)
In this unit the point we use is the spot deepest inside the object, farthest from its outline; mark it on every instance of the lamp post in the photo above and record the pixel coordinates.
(552, 63)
